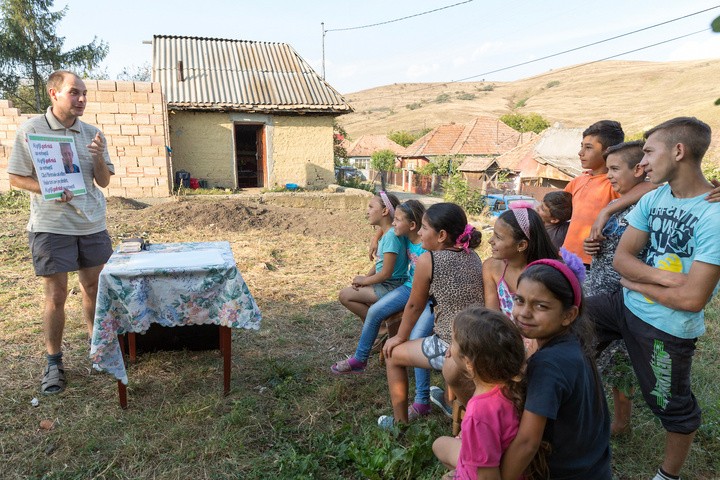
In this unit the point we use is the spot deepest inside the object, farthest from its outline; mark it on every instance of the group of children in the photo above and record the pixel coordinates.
(602, 263)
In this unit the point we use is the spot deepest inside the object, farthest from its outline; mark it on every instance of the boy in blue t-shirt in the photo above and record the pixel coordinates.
(659, 312)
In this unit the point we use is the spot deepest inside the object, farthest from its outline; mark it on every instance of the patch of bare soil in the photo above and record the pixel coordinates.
(236, 216)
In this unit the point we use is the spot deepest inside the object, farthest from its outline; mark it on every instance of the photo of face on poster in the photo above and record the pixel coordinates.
(57, 165)
(70, 164)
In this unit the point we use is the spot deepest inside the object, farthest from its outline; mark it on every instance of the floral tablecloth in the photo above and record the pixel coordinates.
(170, 284)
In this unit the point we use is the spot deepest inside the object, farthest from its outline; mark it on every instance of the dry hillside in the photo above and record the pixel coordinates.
(638, 94)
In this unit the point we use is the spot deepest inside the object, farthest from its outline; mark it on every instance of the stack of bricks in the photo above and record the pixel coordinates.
(133, 118)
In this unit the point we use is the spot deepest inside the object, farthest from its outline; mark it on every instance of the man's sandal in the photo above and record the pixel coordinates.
(343, 366)
(53, 380)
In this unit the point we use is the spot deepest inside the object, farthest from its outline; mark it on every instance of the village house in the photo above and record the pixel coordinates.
(547, 162)
(246, 114)
(477, 142)
(359, 151)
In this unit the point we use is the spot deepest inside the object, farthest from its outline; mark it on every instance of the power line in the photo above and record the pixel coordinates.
(395, 20)
(614, 56)
(324, 31)
(591, 44)
(575, 49)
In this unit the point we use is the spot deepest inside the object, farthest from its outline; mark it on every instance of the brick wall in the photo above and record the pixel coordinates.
(134, 120)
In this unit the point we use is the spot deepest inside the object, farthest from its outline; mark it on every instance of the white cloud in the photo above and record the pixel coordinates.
(416, 71)
(696, 49)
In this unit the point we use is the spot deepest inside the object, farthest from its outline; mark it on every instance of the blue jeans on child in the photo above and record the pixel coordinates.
(388, 305)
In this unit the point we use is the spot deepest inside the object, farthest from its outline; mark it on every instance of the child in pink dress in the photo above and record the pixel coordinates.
(490, 348)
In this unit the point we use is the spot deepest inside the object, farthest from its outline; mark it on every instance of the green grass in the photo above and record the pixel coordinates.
(286, 416)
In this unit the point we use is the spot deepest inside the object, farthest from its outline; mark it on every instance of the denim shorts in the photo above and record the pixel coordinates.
(54, 253)
(382, 289)
(434, 349)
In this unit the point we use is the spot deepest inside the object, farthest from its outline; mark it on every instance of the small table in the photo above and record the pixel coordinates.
(171, 284)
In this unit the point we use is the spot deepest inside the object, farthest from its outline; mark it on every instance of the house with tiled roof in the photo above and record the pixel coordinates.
(246, 114)
(479, 142)
(359, 151)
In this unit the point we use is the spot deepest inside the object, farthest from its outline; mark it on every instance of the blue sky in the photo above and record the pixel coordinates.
(464, 41)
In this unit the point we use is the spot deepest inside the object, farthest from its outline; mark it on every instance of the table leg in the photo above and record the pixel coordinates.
(122, 389)
(133, 350)
(225, 342)
(122, 393)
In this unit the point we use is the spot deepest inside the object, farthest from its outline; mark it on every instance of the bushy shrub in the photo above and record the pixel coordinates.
(457, 190)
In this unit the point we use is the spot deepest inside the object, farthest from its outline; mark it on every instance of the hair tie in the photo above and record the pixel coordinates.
(463, 239)
(388, 204)
(574, 263)
(521, 215)
(567, 273)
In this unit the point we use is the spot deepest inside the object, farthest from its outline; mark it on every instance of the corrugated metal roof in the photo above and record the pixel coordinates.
(221, 74)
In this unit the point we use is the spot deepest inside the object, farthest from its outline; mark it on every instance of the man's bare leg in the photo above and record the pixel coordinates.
(89, 285)
(54, 312)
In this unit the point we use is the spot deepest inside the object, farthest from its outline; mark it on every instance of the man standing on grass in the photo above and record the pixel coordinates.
(659, 314)
(68, 234)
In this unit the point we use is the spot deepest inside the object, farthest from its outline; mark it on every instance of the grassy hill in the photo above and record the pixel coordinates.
(637, 94)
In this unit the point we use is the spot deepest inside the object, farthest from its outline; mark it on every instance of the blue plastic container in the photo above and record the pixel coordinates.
(291, 186)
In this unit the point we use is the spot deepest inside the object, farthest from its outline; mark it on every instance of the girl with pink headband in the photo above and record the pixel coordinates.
(519, 238)
(565, 408)
(391, 264)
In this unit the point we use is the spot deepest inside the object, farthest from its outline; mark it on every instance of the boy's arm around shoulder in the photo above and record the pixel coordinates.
(714, 195)
(630, 198)
(523, 448)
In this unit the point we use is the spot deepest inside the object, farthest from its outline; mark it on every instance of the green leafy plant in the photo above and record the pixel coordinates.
(532, 122)
(442, 98)
(457, 190)
(486, 88)
(402, 137)
(466, 96)
(553, 83)
(413, 106)
(14, 201)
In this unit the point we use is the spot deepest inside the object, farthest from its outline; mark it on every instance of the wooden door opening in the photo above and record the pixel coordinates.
(249, 155)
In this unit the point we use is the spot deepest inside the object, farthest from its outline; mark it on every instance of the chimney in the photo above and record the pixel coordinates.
(180, 76)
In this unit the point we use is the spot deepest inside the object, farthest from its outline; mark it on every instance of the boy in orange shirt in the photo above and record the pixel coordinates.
(592, 191)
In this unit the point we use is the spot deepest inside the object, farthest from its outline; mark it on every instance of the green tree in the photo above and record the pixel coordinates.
(383, 161)
(30, 50)
(402, 137)
(532, 122)
(339, 152)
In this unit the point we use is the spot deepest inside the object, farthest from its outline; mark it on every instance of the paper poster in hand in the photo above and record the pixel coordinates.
(57, 165)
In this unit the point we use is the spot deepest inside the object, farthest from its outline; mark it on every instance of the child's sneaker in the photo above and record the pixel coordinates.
(386, 422)
(417, 410)
(437, 396)
(348, 366)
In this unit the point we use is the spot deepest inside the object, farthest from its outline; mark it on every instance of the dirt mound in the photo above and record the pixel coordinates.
(125, 203)
(235, 215)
